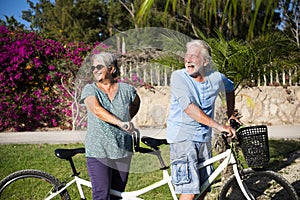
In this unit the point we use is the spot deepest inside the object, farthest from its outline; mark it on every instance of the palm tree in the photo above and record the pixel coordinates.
(248, 63)
(243, 18)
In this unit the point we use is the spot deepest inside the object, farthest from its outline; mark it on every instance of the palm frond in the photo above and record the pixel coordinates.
(144, 10)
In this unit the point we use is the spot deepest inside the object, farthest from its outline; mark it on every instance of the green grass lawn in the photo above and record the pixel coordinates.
(144, 170)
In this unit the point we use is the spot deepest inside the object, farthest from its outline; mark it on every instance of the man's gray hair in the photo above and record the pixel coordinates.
(205, 48)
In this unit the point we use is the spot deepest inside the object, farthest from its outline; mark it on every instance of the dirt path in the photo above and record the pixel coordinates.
(292, 171)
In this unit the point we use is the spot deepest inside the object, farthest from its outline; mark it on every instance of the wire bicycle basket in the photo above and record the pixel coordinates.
(254, 143)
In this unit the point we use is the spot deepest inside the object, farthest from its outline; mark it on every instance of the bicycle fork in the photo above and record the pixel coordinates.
(239, 180)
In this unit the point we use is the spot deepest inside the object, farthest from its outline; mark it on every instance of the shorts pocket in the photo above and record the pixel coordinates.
(180, 171)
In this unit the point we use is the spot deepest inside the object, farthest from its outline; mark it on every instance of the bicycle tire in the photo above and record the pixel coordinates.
(261, 184)
(30, 184)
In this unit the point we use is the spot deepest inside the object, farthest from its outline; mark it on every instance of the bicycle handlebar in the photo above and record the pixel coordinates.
(136, 139)
(125, 126)
(234, 124)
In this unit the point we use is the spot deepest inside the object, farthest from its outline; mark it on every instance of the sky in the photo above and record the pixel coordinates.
(14, 8)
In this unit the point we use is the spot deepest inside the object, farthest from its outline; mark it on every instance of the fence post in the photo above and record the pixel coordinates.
(151, 76)
(137, 70)
(290, 76)
(123, 46)
(158, 75)
(277, 76)
(296, 72)
(271, 77)
(122, 71)
(283, 77)
(130, 71)
(258, 80)
(265, 77)
(166, 76)
(144, 73)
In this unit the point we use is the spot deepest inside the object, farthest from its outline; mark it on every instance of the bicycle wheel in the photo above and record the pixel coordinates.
(30, 184)
(261, 184)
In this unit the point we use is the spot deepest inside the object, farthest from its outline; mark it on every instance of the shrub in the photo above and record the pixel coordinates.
(32, 68)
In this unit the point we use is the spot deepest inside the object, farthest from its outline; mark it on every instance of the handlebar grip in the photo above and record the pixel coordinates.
(136, 140)
(125, 126)
(224, 135)
(234, 124)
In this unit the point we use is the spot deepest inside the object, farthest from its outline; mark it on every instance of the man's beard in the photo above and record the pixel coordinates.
(195, 74)
(199, 72)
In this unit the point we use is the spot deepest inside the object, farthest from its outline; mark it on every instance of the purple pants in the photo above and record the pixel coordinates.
(106, 174)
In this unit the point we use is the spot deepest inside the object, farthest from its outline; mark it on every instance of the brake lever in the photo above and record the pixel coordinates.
(136, 139)
(234, 124)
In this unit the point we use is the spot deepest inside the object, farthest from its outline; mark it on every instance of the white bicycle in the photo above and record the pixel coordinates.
(252, 183)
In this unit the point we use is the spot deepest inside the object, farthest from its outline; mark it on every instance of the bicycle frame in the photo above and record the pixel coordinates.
(79, 182)
(133, 195)
(125, 195)
(228, 159)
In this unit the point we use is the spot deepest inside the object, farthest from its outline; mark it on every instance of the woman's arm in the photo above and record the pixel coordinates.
(94, 107)
(135, 106)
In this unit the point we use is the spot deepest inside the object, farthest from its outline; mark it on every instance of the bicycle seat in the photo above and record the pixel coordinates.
(153, 142)
(68, 153)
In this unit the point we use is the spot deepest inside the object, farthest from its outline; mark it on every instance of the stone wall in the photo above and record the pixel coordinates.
(269, 105)
(258, 105)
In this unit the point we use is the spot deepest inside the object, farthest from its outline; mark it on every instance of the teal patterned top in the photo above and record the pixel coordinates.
(104, 140)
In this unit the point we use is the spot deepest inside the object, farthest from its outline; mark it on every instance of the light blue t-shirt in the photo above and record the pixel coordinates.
(184, 91)
(104, 140)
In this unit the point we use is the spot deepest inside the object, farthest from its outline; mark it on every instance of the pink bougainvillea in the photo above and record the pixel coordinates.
(37, 78)
(30, 77)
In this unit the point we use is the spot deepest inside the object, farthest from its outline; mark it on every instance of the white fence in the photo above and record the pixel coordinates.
(159, 75)
(149, 73)
(289, 76)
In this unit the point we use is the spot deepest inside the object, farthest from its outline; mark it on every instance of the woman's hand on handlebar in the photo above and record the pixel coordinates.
(126, 126)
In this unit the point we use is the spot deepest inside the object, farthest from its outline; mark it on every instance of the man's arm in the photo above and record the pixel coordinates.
(197, 114)
(230, 98)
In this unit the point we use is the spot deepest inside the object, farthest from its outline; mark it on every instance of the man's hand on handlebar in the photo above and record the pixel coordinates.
(230, 132)
(235, 121)
(234, 124)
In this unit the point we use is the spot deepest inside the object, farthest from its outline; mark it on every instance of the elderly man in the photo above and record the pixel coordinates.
(194, 90)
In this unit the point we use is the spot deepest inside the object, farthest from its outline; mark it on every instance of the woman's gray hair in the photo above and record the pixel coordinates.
(107, 59)
(203, 46)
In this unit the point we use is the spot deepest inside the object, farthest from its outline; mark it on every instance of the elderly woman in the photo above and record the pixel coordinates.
(111, 106)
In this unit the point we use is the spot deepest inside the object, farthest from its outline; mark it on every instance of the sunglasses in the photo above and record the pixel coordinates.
(98, 67)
